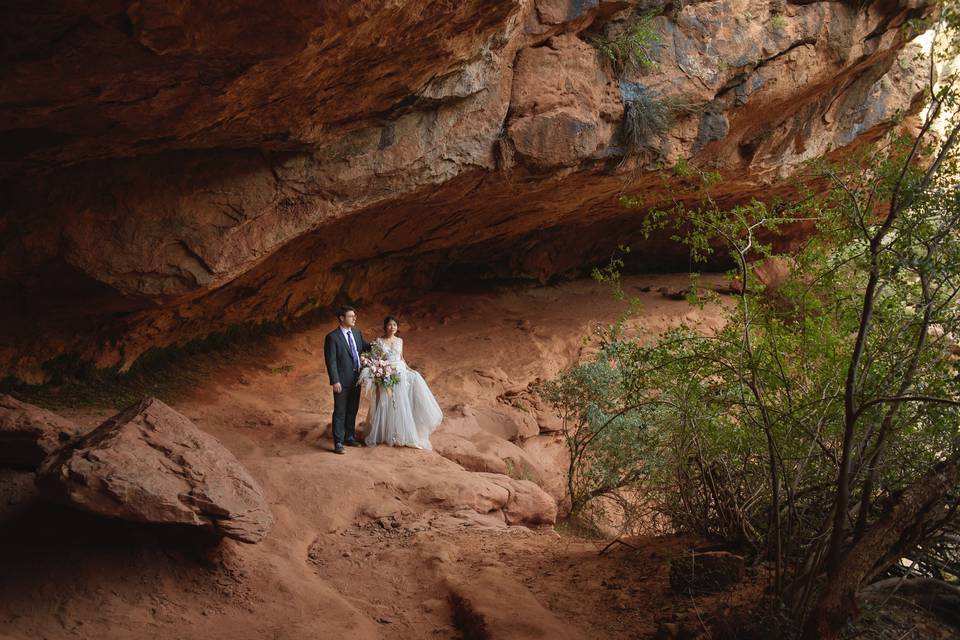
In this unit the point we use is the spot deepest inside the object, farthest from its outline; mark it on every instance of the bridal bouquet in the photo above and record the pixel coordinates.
(377, 369)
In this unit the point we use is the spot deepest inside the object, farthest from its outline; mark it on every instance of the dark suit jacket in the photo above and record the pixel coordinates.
(336, 353)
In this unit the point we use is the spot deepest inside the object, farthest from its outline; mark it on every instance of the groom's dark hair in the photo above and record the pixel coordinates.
(342, 311)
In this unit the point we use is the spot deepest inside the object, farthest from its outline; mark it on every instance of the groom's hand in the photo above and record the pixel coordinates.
(337, 388)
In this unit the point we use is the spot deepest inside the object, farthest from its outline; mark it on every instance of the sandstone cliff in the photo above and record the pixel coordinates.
(173, 169)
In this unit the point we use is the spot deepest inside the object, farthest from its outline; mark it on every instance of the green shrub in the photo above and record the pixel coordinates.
(646, 119)
(631, 49)
(819, 428)
(606, 439)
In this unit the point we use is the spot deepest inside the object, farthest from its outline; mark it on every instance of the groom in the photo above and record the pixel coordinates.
(342, 350)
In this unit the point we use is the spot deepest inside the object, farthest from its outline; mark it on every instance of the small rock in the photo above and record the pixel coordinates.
(674, 294)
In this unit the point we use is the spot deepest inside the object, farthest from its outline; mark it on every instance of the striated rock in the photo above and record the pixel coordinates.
(183, 169)
(487, 440)
(28, 434)
(551, 12)
(181, 74)
(564, 107)
(707, 572)
(481, 451)
(376, 482)
(151, 464)
(520, 501)
(467, 454)
(527, 503)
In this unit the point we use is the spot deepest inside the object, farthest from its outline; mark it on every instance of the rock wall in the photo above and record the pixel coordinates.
(173, 169)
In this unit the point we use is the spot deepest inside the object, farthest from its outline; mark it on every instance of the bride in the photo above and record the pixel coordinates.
(407, 413)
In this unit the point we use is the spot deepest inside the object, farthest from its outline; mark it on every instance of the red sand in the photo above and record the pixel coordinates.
(379, 543)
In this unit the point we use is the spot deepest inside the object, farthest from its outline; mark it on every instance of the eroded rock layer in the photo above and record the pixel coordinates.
(173, 169)
(149, 463)
(28, 434)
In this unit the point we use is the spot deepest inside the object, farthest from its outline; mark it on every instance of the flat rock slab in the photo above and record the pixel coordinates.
(29, 434)
(151, 464)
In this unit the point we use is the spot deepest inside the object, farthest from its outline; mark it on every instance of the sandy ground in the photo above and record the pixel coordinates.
(381, 542)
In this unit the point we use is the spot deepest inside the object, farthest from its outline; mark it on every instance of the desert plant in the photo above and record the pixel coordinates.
(604, 435)
(778, 23)
(646, 119)
(682, 168)
(631, 48)
(820, 426)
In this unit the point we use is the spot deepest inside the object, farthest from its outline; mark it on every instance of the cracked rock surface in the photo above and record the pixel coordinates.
(177, 169)
(150, 464)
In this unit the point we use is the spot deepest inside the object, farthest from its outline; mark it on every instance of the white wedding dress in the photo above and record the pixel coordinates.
(405, 415)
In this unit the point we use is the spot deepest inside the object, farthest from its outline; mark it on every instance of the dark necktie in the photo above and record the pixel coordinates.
(353, 349)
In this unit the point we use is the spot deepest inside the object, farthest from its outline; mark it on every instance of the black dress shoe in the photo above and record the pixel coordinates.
(339, 449)
(353, 443)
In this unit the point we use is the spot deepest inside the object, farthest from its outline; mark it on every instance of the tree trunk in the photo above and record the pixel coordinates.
(837, 603)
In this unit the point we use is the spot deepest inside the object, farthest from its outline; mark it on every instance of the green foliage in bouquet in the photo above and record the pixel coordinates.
(376, 367)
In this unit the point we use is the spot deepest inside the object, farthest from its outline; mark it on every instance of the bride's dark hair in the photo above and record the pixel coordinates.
(389, 319)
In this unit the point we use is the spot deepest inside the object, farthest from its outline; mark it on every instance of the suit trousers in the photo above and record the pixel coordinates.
(345, 407)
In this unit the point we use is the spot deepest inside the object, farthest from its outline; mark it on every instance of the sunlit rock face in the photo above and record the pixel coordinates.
(173, 169)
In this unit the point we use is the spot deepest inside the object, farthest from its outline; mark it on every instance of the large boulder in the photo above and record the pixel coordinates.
(151, 464)
(28, 434)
